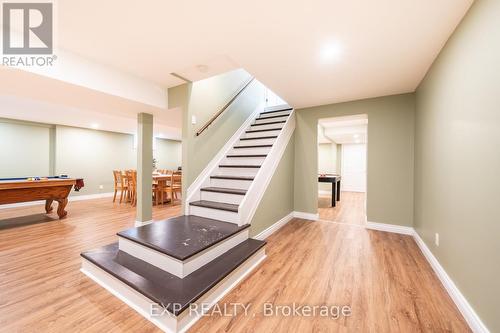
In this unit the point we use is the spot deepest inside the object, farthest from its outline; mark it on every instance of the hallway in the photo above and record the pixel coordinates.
(350, 209)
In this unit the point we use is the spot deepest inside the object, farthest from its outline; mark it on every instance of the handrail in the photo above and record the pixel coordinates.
(238, 93)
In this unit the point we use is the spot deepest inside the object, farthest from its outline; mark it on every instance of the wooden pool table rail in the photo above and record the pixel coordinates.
(49, 190)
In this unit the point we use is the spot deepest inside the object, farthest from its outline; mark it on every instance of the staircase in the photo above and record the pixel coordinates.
(166, 269)
(224, 190)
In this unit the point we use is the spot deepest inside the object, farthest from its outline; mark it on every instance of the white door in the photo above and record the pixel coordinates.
(353, 167)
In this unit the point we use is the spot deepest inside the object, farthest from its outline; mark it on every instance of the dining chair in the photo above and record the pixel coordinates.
(120, 184)
(132, 186)
(176, 185)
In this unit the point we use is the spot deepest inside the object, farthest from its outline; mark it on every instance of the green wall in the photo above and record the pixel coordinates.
(93, 155)
(390, 156)
(457, 160)
(33, 149)
(24, 149)
(277, 201)
(202, 99)
(168, 154)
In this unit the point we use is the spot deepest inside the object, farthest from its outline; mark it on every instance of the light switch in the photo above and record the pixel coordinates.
(193, 120)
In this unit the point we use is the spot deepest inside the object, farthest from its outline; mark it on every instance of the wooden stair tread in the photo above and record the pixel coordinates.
(165, 288)
(239, 166)
(260, 138)
(252, 146)
(258, 155)
(274, 111)
(271, 117)
(170, 236)
(215, 205)
(270, 123)
(263, 130)
(224, 190)
(233, 177)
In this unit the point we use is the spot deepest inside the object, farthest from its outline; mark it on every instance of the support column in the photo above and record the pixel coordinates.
(144, 211)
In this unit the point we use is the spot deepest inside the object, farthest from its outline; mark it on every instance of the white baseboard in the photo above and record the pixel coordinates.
(275, 227)
(470, 316)
(71, 198)
(324, 192)
(91, 196)
(141, 223)
(306, 216)
(458, 298)
(398, 229)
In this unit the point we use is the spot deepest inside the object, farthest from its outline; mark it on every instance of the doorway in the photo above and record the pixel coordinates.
(342, 161)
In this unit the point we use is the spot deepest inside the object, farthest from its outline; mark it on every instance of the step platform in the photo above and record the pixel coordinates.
(171, 303)
(182, 244)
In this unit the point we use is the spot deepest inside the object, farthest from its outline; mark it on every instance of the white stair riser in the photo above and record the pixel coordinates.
(264, 120)
(216, 214)
(267, 126)
(230, 183)
(222, 197)
(256, 142)
(257, 134)
(250, 151)
(243, 161)
(272, 114)
(237, 171)
(277, 107)
(177, 267)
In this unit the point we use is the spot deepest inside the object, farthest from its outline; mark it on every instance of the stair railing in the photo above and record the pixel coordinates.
(221, 111)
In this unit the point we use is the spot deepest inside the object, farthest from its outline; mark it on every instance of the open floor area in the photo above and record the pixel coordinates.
(351, 209)
(200, 166)
(382, 277)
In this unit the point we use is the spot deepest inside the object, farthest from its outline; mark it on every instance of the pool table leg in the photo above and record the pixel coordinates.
(48, 206)
(60, 208)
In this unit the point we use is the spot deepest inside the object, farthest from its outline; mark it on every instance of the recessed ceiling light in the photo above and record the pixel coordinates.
(331, 52)
(94, 125)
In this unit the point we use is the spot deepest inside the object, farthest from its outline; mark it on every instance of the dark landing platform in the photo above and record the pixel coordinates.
(183, 236)
(164, 288)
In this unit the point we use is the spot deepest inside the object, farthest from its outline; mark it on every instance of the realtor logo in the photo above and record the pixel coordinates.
(27, 28)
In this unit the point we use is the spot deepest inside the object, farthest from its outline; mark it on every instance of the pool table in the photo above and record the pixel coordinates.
(50, 189)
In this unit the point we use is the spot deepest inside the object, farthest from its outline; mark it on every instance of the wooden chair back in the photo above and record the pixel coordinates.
(117, 175)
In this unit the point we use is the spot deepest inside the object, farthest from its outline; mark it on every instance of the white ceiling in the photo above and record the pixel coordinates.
(309, 52)
(343, 130)
(38, 98)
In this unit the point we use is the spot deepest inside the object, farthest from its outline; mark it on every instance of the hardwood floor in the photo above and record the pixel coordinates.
(350, 209)
(383, 277)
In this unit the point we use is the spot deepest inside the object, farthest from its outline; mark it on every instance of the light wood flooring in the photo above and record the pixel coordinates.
(350, 209)
(383, 278)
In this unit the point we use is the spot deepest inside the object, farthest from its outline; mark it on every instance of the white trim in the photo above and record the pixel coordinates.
(141, 223)
(70, 198)
(91, 196)
(458, 298)
(398, 229)
(256, 191)
(306, 216)
(204, 176)
(467, 311)
(275, 227)
(324, 192)
(166, 322)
